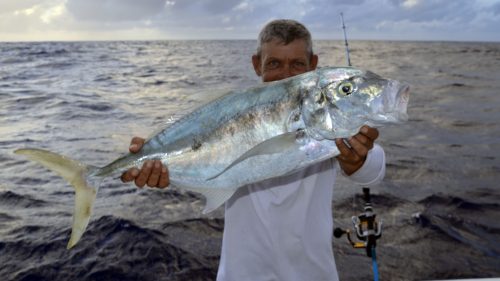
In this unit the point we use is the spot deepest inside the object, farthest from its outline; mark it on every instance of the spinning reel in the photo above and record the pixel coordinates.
(366, 227)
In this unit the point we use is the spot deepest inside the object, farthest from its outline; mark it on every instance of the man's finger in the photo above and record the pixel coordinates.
(359, 150)
(130, 175)
(154, 177)
(164, 178)
(370, 132)
(345, 151)
(136, 144)
(143, 176)
(364, 140)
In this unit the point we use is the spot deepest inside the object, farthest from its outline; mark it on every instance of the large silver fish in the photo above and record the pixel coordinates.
(248, 136)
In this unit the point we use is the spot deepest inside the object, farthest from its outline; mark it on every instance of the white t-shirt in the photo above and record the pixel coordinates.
(281, 229)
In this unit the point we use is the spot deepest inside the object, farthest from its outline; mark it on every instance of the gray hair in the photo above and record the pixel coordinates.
(285, 31)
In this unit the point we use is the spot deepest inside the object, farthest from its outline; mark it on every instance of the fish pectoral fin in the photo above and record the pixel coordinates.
(215, 197)
(273, 145)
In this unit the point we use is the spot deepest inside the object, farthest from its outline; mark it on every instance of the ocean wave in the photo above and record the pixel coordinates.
(111, 249)
(56, 65)
(463, 221)
(12, 199)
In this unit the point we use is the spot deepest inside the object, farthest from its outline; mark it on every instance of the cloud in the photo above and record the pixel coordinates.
(52, 13)
(26, 16)
(114, 10)
(422, 20)
(243, 7)
(7, 7)
(220, 19)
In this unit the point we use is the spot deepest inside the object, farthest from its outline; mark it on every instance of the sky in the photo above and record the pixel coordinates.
(80, 20)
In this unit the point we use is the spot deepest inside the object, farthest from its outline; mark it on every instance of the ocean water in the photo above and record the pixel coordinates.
(439, 201)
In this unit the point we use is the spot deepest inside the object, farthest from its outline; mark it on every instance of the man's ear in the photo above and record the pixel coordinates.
(314, 62)
(257, 65)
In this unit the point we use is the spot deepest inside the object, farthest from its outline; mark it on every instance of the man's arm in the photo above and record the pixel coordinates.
(152, 173)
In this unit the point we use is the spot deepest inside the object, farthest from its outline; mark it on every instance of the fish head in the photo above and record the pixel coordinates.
(345, 98)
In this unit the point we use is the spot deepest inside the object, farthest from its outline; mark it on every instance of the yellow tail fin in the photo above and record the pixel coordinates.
(76, 174)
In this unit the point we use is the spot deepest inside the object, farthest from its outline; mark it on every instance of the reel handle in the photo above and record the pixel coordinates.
(338, 232)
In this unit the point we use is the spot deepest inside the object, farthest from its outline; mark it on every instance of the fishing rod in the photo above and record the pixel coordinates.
(366, 226)
(345, 40)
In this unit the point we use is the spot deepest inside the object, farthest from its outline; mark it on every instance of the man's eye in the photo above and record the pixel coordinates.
(299, 65)
(272, 64)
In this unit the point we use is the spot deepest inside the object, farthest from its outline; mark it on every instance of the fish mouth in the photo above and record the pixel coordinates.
(401, 103)
(394, 104)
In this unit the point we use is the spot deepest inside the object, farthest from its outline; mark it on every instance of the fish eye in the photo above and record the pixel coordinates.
(346, 88)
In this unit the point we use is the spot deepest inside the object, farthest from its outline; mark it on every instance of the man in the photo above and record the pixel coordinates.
(281, 229)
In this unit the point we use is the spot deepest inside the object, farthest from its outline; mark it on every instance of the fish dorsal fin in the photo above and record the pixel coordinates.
(215, 197)
(273, 145)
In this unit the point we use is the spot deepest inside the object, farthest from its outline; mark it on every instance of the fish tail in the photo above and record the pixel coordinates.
(78, 175)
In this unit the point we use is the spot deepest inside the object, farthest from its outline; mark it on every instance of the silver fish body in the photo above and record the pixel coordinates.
(249, 136)
(304, 114)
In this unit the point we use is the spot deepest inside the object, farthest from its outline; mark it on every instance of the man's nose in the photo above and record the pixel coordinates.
(286, 72)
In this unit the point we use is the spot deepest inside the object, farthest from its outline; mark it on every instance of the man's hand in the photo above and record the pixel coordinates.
(152, 172)
(353, 157)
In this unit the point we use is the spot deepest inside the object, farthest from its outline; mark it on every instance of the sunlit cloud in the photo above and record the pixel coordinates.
(243, 7)
(26, 12)
(410, 3)
(52, 13)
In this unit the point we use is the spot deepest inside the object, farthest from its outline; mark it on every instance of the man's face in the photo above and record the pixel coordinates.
(278, 61)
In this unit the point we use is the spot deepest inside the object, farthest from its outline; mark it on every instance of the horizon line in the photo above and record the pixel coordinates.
(242, 39)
